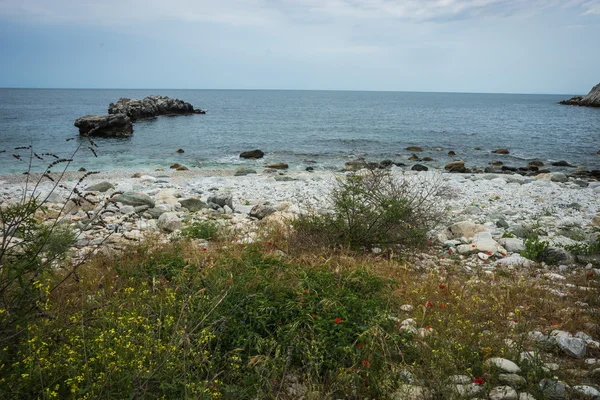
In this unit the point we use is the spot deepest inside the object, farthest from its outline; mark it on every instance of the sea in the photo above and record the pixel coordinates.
(321, 129)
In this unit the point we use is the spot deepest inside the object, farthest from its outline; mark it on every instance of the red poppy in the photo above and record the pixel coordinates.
(204, 249)
(338, 320)
(429, 304)
(443, 258)
(305, 291)
(229, 282)
(591, 275)
(443, 305)
(366, 363)
(442, 286)
(489, 253)
(473, 245)
(427, 327)
(360, 345)
(478, 381)
(554, 323)
(450, 251)
(269, 243)
(314, 316)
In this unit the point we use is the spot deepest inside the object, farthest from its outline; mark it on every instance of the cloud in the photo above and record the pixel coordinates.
(263, 12)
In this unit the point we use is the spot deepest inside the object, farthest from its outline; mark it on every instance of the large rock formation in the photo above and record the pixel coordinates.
(118, 122)
(118, 125)
(591, 100)
(151, 107)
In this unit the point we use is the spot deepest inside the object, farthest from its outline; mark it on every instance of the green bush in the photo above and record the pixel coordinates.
(373, 210)
(201, 230)
(535, 249)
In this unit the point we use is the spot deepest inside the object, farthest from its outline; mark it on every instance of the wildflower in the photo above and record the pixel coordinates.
(489, 253)
(591, 275)
(429, 304)
(442, 286)
(338, 320)
(443, 305)
(229, 282)
(450, 251)
(305, 291)
(314, 316)
(427, 327)
(270, 243)
(204, 249)
(360, 346)
(366, 363)
(478, 381)
(473, 246)
(554, 323)
(443, 258)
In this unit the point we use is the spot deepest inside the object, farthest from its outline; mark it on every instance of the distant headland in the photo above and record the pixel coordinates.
(591, 100)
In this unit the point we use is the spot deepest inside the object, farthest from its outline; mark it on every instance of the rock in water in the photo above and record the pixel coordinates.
(253, 154)
(591, 100)
(118, 125)
(150, 107)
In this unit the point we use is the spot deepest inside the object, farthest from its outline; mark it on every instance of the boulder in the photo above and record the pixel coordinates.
(278, 166)
(355, 165)
(414, 148)
(169, 222)
(553, 390)
(419, 167)
(512, 245)
(562, 163)
(134, 199)
(261, 211)
(504, 365)
(151, 107)
(501, 151)
(222, 199)
(100, 187)
(591, 100)
(252, 154)
(467, 229)
(503, 393)
(456, 166)
(193, 205)
(245, 171)
(118, 125)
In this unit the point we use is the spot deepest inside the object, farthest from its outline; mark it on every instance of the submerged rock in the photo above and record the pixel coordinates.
(252, 154)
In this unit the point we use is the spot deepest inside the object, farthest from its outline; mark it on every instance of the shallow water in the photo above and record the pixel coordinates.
(299, 126)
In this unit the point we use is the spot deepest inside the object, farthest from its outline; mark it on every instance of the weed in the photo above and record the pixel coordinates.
(201, 230)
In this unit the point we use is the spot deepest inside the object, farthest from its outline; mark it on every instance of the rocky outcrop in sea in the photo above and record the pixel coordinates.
(120, 118)
(151, 107)
(591, 100)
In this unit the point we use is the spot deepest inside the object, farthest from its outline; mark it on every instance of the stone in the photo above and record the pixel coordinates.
(411, 392)
(484, 242)
(169, 222)
(193, 205)
(586, 391)
(573, 347)
(413, 157)
(159, 210)
(127, 210)
(467, 229)
(503, 364)
(535, 163)
(512, 380)
(180, 151)
(501, 151)
(512, 245)
(175, 166)
(469, 390)
(553, 390)
(503, 393)
(456, 166)
(427, 159)
(562, 164)
(261, 211)
(221, 198)
(252, 154)
(182, 168)
(558, 177)
(278, 166)
(419, 167)
(246, 171)
(526, 396)
(414, 148)
(118, 125)
(103, 186)
(134, 199)
(451, 153)
(151, 107)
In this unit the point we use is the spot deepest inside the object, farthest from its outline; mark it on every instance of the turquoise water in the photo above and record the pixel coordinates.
(326, 127)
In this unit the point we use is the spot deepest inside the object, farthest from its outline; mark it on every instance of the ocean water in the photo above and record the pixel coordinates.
(323, 129)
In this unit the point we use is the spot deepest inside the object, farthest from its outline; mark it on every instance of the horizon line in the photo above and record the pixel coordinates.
(293, 90)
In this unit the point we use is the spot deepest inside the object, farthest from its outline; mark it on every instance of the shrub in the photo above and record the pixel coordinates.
(201, 230)
(535, 249)
(376, 209)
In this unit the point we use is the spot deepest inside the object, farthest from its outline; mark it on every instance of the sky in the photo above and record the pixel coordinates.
(491, 46)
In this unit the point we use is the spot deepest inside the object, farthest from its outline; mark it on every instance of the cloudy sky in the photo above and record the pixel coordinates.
(506, 46)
